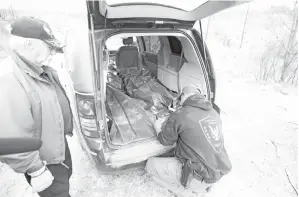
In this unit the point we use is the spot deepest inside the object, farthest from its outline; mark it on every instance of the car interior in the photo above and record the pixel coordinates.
(145, 76)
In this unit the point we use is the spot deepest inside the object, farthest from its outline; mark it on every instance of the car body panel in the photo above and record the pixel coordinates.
(105, 21)
(138, 14)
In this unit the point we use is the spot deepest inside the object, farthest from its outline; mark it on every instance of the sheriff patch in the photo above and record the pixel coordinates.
(212, 132)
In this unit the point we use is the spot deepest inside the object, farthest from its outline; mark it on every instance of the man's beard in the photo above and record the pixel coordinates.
(48, 61)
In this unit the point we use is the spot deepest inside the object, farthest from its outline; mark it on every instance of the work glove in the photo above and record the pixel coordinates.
(171, 109)
(41, 179)
(159, 124)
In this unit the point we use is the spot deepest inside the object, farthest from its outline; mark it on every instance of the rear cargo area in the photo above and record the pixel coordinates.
(143, 84)
(135, 100)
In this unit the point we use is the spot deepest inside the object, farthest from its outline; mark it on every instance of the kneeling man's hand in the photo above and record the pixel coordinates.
(159, 124)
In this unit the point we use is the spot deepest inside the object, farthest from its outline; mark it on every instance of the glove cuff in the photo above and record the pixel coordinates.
(38, 172)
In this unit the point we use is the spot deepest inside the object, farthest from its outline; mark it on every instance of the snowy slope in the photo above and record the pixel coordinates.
(259, 124)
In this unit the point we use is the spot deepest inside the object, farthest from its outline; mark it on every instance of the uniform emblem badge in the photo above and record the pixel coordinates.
(212, 132)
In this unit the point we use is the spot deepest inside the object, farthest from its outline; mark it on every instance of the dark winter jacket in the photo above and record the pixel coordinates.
(30, 107)
(197, 129)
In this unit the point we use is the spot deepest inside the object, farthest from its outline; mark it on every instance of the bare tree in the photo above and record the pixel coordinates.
(8, 14)
(291, 51)
(279, 62)
(12, 13)
(244, 25)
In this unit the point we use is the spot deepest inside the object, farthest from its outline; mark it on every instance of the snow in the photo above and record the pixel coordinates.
(256, 119)
(259, 124)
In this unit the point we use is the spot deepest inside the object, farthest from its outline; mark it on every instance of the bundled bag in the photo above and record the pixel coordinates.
(131, 122)
(114, 81)
(143, 85)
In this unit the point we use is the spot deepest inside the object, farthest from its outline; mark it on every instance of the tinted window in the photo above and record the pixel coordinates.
(175, 45)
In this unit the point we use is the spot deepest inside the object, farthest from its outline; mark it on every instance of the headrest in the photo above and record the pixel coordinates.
(128, 41)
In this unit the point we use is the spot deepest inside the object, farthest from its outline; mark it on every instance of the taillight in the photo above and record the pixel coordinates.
(87, 115)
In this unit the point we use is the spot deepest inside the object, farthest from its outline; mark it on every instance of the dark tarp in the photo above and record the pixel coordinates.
(114, 81)
(134, 99)
(143, 85)
(130, 121)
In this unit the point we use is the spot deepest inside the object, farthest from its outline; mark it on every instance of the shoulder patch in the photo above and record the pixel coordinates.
(212, 132)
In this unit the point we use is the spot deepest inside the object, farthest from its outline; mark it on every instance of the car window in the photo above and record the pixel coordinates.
(152, 44)
(175, 45)
(115, 42)
(188, 5)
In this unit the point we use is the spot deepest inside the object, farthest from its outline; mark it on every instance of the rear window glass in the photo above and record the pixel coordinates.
(188, 5)
(115, 42)
(152, 44)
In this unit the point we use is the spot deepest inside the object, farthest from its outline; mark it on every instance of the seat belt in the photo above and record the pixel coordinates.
(178, 76)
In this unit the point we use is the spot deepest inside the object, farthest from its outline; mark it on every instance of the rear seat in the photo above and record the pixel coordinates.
(127, 56)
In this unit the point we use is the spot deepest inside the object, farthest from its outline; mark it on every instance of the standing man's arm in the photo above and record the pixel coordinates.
(15, 121)
(169, 134)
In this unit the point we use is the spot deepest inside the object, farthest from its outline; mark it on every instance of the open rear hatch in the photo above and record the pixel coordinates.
(142, 15)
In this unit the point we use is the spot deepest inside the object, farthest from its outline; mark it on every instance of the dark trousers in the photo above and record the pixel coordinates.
(60, 185)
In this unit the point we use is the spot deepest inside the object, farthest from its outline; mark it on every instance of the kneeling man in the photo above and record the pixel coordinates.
(200, 157)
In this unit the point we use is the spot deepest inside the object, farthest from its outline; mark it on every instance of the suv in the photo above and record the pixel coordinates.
(132, 53)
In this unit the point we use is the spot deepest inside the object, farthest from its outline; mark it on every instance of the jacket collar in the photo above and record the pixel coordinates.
(199, 101)
(28, 67)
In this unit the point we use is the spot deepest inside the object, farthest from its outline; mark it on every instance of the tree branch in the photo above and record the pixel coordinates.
(291, 182)
(276, 149)
(279, 41)
(284, 24)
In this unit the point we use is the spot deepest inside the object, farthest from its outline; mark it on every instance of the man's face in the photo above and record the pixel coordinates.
(34, 50)
(43, 53)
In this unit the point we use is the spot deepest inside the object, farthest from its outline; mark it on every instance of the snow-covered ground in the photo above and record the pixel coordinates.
(260, 125)
(260, 129)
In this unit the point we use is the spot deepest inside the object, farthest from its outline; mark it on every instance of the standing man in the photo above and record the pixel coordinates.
(34, 104)
(200, 157)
